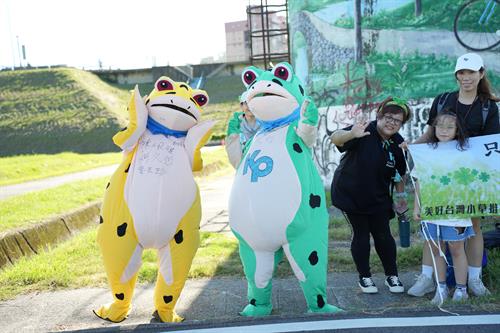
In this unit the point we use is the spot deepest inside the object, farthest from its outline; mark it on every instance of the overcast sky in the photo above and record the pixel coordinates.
(120, 33)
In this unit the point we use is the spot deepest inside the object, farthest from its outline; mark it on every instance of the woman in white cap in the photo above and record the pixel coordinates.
(476, 108)
(241, 128)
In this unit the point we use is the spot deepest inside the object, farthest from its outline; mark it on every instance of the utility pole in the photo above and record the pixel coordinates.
(24, 54)
(19, 52)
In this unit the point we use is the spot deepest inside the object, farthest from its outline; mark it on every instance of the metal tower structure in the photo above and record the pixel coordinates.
(269, 39)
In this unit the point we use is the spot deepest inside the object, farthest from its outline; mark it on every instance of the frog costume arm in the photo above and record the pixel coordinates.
(234, 148)
(196, 138)
(152, 200)
(233, 144)
(127, 138)
(281, 154)
(233, 127)
(307, 128)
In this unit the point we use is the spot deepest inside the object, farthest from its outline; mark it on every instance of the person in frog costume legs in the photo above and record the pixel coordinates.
(277, 204)
(152, 200)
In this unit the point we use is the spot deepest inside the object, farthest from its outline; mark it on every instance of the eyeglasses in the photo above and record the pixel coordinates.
(392, 120)
(446, 128)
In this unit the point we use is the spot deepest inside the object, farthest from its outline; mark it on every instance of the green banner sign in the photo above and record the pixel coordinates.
(458, 184)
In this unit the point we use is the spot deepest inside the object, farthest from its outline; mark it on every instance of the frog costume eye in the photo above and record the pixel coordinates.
(164, 85)
(249, 76)
(200, 97)
(283, 72)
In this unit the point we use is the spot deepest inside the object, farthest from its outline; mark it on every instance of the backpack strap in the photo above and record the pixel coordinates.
(485, 108)
(442, 102)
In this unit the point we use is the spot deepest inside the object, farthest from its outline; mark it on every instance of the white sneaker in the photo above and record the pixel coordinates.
(477, 287)
(424, 285)
(394, 284)
(440, 296)
(367, 285)
(459, 295)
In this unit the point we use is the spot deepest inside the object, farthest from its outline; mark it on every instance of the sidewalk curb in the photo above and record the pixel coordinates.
(18, 243)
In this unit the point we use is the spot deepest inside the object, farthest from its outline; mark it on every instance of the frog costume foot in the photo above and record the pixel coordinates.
(256, 310)
(328, 308)
(152, 200)
(168, 316)
(113, 312)
(268, 218)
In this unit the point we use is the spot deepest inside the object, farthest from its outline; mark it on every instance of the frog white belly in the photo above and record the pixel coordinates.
(264, 199)
(160, 188)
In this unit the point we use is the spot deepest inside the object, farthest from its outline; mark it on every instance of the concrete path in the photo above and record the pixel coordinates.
(202, 300)
(46, 183)
(214, 199)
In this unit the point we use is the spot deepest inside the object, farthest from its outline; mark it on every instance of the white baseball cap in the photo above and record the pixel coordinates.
(471, 61)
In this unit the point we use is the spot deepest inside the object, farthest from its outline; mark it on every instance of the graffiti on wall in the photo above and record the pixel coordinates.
(333, 117)
(398, 57)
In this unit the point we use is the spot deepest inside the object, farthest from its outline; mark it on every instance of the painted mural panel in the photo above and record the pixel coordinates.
(408, 49)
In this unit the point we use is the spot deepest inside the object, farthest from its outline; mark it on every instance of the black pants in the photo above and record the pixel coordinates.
(378, 226)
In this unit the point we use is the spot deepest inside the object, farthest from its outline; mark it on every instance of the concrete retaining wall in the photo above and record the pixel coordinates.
(18, 243)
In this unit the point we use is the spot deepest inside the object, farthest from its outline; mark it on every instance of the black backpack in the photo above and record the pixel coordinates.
(492, 238)
(485, 107)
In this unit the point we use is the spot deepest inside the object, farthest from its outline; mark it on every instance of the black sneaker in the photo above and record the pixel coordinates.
(367, 285)
(394, 284)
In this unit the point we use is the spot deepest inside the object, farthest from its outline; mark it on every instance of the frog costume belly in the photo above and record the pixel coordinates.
(267, 167)
(159, 166)
(152, 200)
(277, 203)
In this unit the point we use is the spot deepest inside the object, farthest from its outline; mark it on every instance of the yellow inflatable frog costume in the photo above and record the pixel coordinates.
(152, 200)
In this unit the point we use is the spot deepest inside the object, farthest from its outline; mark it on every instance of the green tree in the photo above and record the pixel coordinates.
(358, 45)
(418, 8)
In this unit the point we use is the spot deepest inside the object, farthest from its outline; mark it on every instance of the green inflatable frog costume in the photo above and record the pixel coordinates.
(277, 203)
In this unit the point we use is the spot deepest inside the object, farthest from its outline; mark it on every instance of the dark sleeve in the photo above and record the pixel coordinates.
(433, 110)
(348, 145)
(492, 126)
(399, 155)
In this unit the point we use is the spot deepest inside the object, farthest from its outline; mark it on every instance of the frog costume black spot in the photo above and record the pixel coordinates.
(152, 200)
(277, 205)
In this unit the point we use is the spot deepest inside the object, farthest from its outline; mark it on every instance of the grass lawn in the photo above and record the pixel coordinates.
(69, 110)
(48, 111)
(34, 207)
(22, 168)
(215, 164)
(31, 208)
(61, 268)
(224, 89)
(221, 112)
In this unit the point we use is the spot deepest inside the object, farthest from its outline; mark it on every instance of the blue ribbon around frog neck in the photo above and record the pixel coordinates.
(266, 126)
(157, 128)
